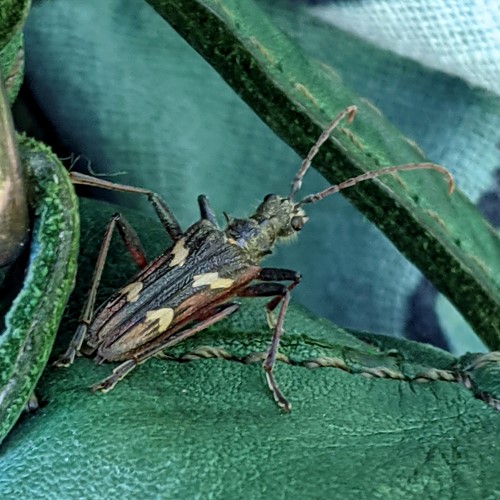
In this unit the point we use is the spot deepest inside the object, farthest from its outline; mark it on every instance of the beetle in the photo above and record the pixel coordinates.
(192, 284)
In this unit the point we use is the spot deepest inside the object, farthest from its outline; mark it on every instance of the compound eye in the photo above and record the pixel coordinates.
(297, 222)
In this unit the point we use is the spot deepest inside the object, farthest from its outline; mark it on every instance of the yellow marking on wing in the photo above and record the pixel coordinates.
(213, 280)
(164, 317)
(180, 252)
(132, 291)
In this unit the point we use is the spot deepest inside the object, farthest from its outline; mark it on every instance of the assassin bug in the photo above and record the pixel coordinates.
(190, 286)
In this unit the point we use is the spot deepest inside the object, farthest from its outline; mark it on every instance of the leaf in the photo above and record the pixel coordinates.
(33, 318)
(13, 15)
(208, 427)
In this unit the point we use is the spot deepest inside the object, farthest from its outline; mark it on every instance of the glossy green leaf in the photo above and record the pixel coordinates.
(203, 424)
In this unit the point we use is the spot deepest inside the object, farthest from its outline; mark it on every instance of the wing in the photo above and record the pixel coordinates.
(203, 269)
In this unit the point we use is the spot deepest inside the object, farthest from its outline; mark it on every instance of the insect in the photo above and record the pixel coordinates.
(193, 283)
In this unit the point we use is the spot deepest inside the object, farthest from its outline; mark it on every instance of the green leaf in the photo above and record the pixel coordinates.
(444, 236)
(33, 318)
(203, 424)
(12, 17)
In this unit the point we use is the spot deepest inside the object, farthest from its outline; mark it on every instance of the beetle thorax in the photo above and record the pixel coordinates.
(275, 218)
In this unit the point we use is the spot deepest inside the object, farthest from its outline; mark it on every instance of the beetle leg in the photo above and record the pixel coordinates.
(167, 218)
(158, 345)
(281, 294)
(134, 247)
(118, 373)
(275, 290)
(275, 274)
(206, 211)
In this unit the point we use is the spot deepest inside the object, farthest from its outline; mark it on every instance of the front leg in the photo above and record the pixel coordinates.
(281, 293)
(276, 274)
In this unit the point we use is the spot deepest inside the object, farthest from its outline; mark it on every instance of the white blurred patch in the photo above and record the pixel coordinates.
(461, 38)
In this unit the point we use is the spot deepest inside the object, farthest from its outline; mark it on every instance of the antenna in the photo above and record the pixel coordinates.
(350, 113)
(312, 198)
